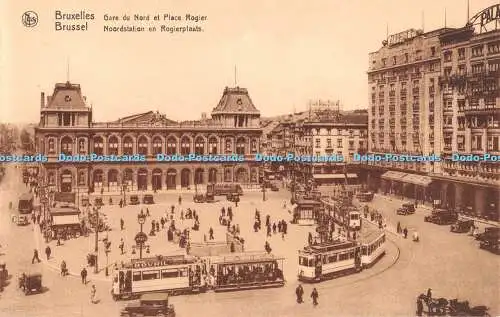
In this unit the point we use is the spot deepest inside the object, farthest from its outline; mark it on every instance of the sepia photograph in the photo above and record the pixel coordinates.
(244, 158)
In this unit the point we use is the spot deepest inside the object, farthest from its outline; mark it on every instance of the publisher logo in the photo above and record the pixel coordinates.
(30, 19)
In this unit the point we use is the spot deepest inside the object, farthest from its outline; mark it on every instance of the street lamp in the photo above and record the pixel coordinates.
(141, 237)
(263, 192)
(107, 249)
(96, 228)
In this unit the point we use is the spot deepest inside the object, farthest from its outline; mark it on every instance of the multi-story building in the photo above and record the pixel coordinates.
(66, 126)
(437, 93)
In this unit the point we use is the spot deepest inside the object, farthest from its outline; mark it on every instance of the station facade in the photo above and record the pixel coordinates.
(67, 127)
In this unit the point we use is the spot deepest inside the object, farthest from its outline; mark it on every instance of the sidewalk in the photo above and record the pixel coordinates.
(428, 209)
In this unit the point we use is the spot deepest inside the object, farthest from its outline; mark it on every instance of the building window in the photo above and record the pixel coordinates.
(406, 58)
(171, 146)
(328, 143)
(113, 146)
(461, 53)
(254, 146)
(447, 56)
(477, 143)
(199, 146)
(351, 133)
(318, 143)
(493, 143)
(494, 48)
(339, 143)
(81, 178)
(240, 146)
(51, 178)
(212, 143)
(128, 146)
(52, 148)
(81, 146)
(67, 145)
(433, 51)
(351, 145)
(142, 145)
(229, 145)
(384, 61)
(98, 146)
(185, 146)
(477, 51)
(394, 60)
(157, 145)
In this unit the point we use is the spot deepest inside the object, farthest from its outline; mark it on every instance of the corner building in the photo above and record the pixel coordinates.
(444, 98)
(66, 127)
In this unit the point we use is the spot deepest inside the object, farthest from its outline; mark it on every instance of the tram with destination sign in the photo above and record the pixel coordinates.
(243, 271)
(168, 274)
(332, 259)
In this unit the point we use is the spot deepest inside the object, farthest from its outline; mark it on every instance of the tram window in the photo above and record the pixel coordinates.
(333, 258)
(302, 261)
(169, 273)
(136, 276)
(311, 262)
(351, 255)
(183, 273)
(343, 257)
(325, 259)
(363, 251)
(150, 275)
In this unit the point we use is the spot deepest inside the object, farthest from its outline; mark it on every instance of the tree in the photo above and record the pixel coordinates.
(26, 141)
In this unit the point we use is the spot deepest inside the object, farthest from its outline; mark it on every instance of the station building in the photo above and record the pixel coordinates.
(66, 126)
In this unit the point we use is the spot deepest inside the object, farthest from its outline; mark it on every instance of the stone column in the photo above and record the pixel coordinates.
(459, 195)
(480, 201)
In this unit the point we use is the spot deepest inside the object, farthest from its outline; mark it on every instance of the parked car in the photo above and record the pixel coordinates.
(150, 305)
(489, 232)
(4, 274)
(406, 209)
(30, 283)
(442, 216)
(274, 188)
(148, 199)
(134, 200)
(462, 225)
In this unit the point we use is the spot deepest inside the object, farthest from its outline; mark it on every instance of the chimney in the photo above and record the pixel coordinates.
(42, 99)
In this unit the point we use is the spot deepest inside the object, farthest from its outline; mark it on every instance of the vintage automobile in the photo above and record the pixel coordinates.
(85, 202)
(98, 202)
(488, 232)
(442, 216)
(406, 209)
(462, 225)
(150, 305)
(274, 188)
(22, 220)
(364, 196)
(199, 198)
(134, 200)
(148, 199)
(491, 243)
(31, 283)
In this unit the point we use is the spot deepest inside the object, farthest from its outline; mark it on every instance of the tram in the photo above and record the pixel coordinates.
(332, 259)
(343, 215)
(172, 274)
(243, 271)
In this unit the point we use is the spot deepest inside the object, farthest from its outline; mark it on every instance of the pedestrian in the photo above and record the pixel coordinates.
(147, 212)
(122, 224)
(268, 220)
(314, 296)
(162, 221)
(223, 212)
(269, 230)
(182, 215)
(405, 232)
(93, 295)
(274, 228)
(420, 307)
(172, 208)
(429, 295)
(64, 268)
(399, 227)
(35, 256)
(237, 229)
(38, 218)
(310, 238)
(48, 252)
(122, 245)
(157, 226)
(211, 233)
(299, 292)
(83, 274)
(180, 200)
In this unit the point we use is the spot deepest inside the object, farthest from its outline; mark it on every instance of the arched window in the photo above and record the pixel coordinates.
(98, 145)
(185, 146)
(51, 178)
(157, 145)
(171, 146)
(240, 146)
(212, 143)
(67, 145)
(113, 146)
(128, 145)
(142, 145)
(81, 178)
(199, 146)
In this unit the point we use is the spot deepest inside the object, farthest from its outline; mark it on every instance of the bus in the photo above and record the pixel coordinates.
(173, 274)
(332, 259)
(243, 271)
(25, 205)
(225, 189)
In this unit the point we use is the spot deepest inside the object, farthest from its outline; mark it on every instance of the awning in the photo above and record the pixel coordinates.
(334, 176)
(65, 220)
(393, 175)
(419, 180)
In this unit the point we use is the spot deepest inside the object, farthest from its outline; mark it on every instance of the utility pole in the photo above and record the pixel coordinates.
(96, 249)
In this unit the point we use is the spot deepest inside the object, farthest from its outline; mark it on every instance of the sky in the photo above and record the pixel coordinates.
(285, 52)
